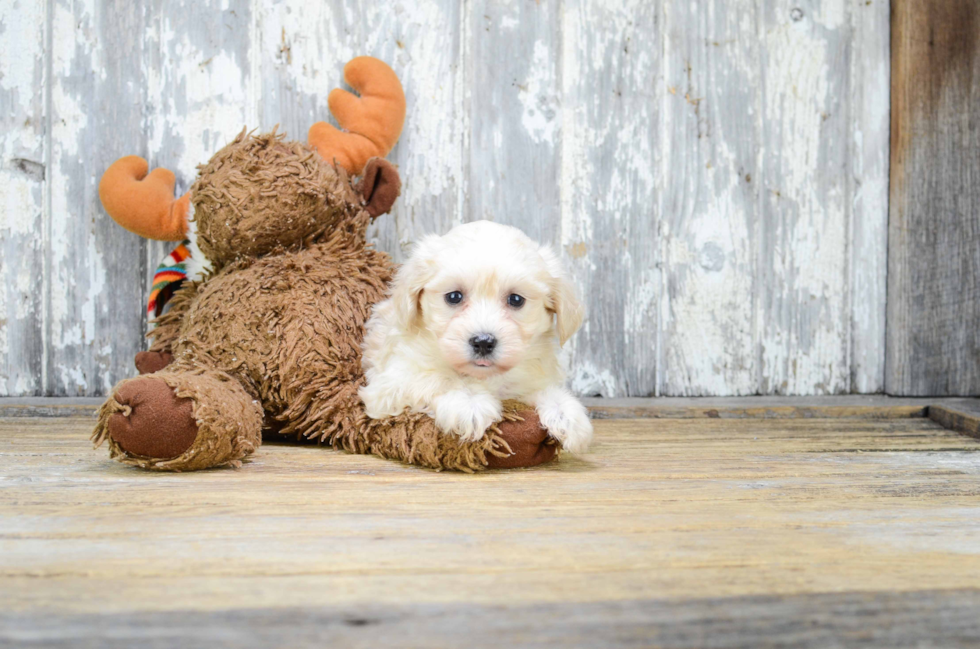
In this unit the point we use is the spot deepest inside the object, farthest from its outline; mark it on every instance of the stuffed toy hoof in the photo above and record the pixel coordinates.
(151, 421)
(180, 419)
(150, 362)
(529, 443)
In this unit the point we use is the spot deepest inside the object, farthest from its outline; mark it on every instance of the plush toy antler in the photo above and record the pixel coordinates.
(372, 121)
(145, 204)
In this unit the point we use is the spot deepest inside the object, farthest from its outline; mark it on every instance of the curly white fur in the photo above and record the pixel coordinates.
(197, 265)
(419, 352)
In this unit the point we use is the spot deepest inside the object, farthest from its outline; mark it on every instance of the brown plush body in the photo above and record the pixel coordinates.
(271, 340)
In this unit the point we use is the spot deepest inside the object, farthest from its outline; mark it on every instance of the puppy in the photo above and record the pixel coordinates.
(474, 317)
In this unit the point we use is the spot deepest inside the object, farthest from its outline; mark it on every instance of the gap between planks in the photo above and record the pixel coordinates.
(959, 414)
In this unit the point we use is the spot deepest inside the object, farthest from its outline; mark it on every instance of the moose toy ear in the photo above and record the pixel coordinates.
(379, 186)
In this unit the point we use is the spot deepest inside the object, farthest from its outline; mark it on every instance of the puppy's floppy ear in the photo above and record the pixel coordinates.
(406, 290)
(562, 297)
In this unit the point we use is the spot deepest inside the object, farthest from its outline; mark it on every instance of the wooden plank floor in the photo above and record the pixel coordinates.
(693, 532)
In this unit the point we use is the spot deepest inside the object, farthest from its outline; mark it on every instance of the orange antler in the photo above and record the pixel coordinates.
(143, 203)
(372, 121)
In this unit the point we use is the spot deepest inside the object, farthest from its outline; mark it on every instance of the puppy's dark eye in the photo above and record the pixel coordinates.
(454, 297)
(515, 300)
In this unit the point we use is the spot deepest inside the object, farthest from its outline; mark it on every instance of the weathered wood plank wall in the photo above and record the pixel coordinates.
(934, 230)
(715, 173)
(22, 199)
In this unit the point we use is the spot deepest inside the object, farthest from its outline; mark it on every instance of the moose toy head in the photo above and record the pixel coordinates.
(263, 193)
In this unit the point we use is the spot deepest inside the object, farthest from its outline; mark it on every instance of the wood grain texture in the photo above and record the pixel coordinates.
(835, 524)
(946, 618)
(711, 213)
(829, 407)
(867, 191)
(802, 310)
(49, 406)
(758, 201)
(714, 176)
(834, 407)
(513, 107)
(612, 88)
(933, 344)
(962, 416)
(23, 36)
(93, 281)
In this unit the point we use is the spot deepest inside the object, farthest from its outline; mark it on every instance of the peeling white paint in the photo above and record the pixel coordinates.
(211, 87)
(17, 190)
(610, 174)
(869, 104)
(805, 332)
(588, 380)
(71, 310)
(21, 28)
(433, 164)
(577, 137)
(21, 193)
(541, 115)
(71, 119)
(831, 14)
(73, 376)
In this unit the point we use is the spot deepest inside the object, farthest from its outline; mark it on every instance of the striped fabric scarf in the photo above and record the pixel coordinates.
(170, 274)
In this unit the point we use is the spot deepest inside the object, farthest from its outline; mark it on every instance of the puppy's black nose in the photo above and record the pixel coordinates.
(483, 344)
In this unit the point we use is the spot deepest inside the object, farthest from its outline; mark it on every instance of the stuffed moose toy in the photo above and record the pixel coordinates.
(267, 339)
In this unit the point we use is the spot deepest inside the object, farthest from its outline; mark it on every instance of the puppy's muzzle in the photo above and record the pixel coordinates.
(483, 345)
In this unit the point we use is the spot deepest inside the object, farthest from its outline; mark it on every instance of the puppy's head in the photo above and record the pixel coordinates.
(484, 294)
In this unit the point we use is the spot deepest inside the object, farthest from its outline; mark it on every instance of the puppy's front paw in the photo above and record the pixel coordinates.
(566, 419)
(466, 414)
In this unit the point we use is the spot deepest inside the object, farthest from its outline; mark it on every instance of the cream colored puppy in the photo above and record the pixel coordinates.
(474, 317)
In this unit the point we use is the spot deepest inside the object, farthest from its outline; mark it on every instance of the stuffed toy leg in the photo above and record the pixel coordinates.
(209, 406)
(185, 419)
